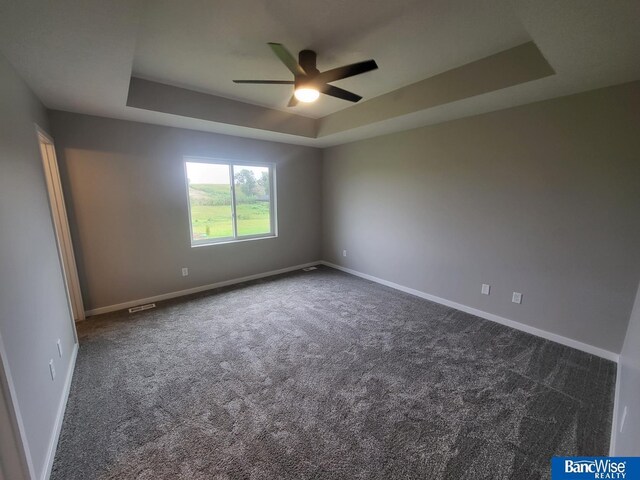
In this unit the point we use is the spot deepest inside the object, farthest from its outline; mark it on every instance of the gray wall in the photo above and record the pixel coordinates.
(34, 311)
(125, 188)
(541, 199)
(627, 441)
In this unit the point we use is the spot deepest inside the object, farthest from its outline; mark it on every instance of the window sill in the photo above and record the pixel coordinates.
(234, 240)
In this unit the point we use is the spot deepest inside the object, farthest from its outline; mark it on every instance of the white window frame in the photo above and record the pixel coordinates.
(235, 237)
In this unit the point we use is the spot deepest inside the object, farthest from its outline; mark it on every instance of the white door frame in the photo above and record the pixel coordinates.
(61, 226)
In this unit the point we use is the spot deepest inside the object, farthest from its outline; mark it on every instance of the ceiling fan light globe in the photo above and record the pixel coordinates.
(306, 95)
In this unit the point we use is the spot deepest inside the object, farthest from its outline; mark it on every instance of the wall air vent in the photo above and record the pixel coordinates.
(139, 308)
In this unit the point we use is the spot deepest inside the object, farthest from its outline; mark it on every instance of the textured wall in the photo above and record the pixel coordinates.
(541, 199)
(34, 311)
(627, 440)
(126, 196)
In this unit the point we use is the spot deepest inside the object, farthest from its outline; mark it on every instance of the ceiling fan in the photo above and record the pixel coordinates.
(308, 81)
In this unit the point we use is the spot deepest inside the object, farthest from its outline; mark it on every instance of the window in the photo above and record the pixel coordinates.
(230, 201)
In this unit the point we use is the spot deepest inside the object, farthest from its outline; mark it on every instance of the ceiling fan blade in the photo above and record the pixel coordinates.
(267, 82)
(346, 71)
(293, 101)
(339, 93)
(285, 57)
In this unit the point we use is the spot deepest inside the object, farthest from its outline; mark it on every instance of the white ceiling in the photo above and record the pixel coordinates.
(79, 55)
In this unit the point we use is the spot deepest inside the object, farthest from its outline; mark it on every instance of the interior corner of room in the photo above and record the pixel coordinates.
(476, 213)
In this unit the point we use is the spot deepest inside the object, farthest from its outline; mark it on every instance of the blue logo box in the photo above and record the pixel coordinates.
(595, 468)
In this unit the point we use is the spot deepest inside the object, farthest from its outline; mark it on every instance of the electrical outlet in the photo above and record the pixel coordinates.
(52, 370)
(517, 297)
(486, 289)
(624, 417)
(185, 271)
(59, 345)
(344, 253)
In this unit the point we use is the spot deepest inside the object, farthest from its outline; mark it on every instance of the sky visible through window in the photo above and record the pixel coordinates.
(214, 174)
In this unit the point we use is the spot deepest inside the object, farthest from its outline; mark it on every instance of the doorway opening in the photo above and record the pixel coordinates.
(61, 225)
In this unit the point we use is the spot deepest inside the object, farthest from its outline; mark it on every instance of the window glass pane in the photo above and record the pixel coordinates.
(253, 199)
(210, 201)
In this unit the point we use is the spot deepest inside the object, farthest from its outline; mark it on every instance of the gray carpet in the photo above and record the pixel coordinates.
(323, 375)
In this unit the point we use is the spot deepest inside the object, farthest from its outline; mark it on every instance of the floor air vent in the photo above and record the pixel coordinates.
(139, 308)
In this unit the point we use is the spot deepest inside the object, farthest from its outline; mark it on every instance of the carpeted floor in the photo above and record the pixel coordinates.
(322, 375)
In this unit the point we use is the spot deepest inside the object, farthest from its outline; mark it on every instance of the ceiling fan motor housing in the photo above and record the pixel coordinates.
(307, 60)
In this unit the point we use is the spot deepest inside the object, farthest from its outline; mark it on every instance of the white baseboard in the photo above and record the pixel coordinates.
(554, 337)
(189, 291)
(614, 421)
(53, 444)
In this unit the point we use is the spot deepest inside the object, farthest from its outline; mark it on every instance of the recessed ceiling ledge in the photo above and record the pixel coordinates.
(515, 66)
(508, 68)
(160, 97)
